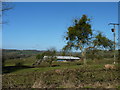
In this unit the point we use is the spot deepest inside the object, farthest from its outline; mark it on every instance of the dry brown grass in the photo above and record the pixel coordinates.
(38, 84)
(110, 66)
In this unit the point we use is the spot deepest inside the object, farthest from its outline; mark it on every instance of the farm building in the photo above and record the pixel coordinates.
(65, 58)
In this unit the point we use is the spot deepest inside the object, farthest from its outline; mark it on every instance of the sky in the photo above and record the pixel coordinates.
(42, 25)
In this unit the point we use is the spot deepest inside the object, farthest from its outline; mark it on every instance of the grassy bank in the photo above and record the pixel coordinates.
(82, 77)
(65, 75)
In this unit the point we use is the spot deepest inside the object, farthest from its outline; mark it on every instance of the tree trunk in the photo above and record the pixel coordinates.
(83, 54)
(50, 64)
(84, 57)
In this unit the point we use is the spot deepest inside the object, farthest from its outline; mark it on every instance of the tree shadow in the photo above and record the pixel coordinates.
(9, 69)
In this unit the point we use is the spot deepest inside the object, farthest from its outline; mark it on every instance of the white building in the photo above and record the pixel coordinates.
(64, 58)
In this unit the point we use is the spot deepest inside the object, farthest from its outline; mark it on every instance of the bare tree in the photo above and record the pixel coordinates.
(4, 6)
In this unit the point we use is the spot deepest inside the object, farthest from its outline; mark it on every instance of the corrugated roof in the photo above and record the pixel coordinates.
(64, 57)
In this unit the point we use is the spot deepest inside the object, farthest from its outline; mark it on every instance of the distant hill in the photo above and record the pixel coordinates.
(21, 51)
(12, 53)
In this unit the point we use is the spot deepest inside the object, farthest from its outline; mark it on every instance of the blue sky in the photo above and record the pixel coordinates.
(41, 25)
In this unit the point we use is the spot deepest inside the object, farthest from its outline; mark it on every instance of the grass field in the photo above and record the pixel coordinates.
(66, 75)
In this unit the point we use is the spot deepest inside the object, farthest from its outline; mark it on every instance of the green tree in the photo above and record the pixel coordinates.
(51, 55)
(101, 41)
(80, 36)
(39, 58)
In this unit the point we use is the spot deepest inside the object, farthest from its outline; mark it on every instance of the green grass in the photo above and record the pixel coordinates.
(93, 64)
(26, 61)
(71, 75)
(42, 69)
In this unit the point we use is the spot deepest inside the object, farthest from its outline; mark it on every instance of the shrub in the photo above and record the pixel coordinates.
(19, 64)
(54, 65)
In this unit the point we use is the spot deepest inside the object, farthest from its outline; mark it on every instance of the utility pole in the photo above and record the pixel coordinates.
(114, 34)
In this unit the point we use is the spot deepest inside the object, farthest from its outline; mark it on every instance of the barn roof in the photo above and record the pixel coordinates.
(64, 57)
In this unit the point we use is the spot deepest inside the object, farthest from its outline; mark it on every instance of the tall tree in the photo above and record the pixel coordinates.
(80, 36)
